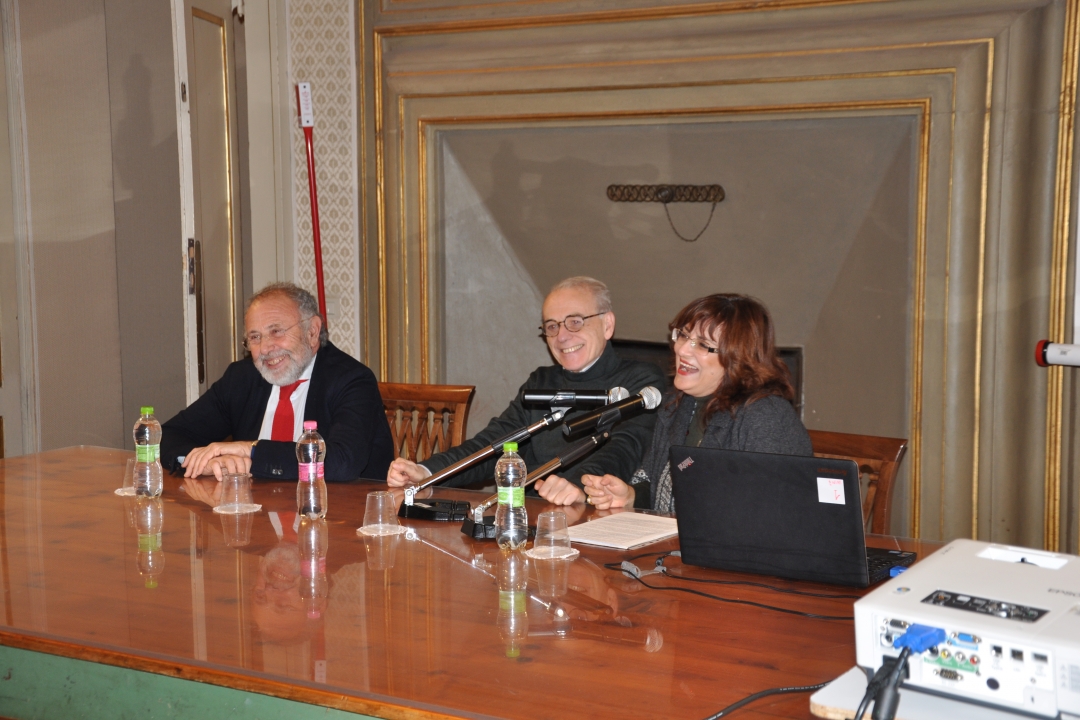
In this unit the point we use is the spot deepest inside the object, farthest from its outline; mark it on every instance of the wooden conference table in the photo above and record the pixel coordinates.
(408, 629)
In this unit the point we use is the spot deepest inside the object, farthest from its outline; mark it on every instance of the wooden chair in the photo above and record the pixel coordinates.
(878, 459)
(426, 419)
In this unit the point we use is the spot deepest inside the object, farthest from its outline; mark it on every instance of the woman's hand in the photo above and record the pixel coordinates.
(607, 492)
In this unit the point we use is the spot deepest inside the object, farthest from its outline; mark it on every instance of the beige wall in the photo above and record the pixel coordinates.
(958, 230)
(322, 36)
(146, 208)
(818, 223)
(66, 81)
(103, 198)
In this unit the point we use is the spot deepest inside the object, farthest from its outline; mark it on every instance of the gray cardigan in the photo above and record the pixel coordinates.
(768, 425)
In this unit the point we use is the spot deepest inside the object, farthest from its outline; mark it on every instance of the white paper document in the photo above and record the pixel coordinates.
(624, 531)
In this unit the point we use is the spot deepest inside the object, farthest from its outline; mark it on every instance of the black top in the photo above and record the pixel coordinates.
(619, 456)
(343, 399)
(768, 425)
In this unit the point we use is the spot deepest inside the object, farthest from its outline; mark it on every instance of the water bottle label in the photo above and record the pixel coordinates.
(149, 542)
(147, 453)
(512, 496)
(512, 601)
(310, 471)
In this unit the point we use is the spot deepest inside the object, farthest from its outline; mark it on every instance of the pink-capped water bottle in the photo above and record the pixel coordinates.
(311, 490)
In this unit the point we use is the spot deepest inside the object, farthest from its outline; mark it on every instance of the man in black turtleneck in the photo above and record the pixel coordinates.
(586, 360)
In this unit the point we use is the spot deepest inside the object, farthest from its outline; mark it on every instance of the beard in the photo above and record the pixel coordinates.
(289, 369)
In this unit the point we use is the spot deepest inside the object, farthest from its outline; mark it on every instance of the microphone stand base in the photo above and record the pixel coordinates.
(486, 529)
(440, 510)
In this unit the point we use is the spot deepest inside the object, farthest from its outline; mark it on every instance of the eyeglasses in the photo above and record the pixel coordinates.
(678, 336)
(573, 323)
(254, 339)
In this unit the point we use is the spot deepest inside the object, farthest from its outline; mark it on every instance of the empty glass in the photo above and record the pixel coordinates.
(236, 495)
(380, 515)
(128, 487)
(552, 537)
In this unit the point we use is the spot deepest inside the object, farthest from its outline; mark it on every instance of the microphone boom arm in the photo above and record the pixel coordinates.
(484, 453)
(575, 453)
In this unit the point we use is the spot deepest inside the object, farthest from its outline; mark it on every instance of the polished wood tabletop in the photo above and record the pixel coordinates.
(406, 627)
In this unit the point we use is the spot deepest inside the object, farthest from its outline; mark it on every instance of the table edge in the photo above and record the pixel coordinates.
(234, 681)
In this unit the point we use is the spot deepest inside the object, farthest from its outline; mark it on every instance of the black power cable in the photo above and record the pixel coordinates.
(764, 693)
(763, 606)
(790, 591)
(882, 687)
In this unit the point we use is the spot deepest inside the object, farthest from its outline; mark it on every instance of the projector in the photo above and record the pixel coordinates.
(1011, 622)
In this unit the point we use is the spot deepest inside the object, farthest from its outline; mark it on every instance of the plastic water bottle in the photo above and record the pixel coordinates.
(513, 620)
(150, 557)
(147, 481)
(311, 490)
(511, 521)
(314, 539)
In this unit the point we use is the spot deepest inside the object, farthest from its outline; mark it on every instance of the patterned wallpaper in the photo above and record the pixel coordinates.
(322, 52)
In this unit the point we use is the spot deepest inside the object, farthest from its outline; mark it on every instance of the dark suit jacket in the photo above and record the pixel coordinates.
(343, 399)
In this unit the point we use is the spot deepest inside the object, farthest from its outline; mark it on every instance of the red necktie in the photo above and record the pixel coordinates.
(283, 417)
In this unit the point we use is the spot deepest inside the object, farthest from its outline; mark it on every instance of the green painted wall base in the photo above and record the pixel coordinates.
(38, 686)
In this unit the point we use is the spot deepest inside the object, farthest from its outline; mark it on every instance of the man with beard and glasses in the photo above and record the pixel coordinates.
(250, 419)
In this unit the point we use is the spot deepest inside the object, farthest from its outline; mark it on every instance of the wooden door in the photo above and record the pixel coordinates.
(212, 92)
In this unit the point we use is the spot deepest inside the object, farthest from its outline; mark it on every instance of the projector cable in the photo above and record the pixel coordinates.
(631, 570)
(790, 591)
(764, 693)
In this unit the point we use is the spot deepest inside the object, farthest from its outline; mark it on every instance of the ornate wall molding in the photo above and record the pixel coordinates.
(321, 51)
(990, 199)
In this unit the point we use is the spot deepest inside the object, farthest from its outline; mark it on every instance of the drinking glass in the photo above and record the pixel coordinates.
(552, 537)
(236, 495)
(128, 487)
(380, 515)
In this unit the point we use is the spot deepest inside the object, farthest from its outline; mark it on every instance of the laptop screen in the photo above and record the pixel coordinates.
(785, 515)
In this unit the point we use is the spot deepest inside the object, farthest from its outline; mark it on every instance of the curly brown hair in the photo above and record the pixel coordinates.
(746, 351)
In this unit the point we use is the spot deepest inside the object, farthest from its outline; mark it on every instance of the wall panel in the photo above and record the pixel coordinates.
(983, 79)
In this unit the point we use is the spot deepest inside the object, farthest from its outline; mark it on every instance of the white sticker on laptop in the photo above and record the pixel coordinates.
(830, 490)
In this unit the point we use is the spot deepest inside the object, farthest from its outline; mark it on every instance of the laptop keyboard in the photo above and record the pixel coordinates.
(880, 561)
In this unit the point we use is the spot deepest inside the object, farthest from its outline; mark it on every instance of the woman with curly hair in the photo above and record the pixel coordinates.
(731, 392)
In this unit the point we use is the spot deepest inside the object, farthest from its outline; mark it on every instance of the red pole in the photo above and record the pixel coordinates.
(307, 122)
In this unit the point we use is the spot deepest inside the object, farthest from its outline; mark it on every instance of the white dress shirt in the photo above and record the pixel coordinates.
(299, 401)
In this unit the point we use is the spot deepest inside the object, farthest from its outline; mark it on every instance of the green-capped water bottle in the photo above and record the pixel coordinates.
(511, 521)
(148, 476)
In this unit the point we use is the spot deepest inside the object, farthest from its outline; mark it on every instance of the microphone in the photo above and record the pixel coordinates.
(1048, 353)
(574, 398)
(648, 399)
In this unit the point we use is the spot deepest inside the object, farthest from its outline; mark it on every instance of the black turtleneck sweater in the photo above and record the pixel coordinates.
(620, 455)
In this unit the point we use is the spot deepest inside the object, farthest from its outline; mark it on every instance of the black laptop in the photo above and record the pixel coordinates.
(785, 515)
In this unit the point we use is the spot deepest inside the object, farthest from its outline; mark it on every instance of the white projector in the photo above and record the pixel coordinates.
(1011, 618)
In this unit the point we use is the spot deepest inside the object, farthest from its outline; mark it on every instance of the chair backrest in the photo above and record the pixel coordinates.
(878, 459)
(426, 419)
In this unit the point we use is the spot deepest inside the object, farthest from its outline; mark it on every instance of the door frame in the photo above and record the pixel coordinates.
(269, 119)
(187, 199)
(29, 395)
